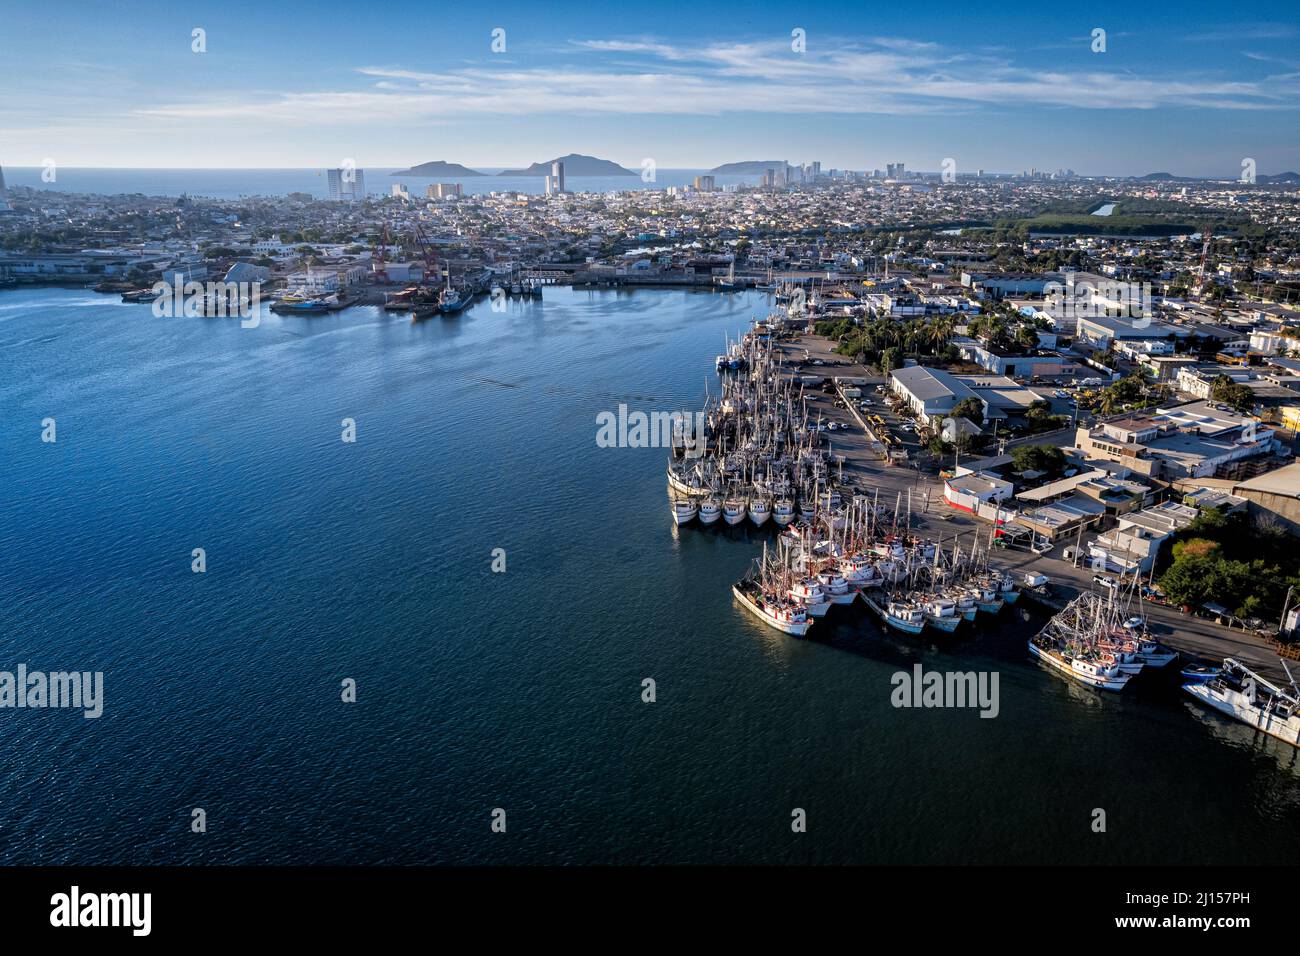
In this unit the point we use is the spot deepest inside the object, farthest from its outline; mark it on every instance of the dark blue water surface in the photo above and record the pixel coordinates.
(371, 560)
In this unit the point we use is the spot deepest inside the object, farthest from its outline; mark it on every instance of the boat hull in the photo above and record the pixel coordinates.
(1286, 730)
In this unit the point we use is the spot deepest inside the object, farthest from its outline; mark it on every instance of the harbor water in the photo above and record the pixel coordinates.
(372, 561)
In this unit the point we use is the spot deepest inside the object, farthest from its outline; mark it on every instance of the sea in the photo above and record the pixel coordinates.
(243, 183)
(497, 590)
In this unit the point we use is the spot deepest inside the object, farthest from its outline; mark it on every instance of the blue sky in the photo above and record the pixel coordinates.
(1191, 89)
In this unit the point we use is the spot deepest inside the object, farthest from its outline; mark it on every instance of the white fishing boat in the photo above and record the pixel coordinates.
(965, 602)
(810, 594)
(760, 509)
(684, 510)
(734, 510)
(941, 613)
(710, 510)
(1090, 669)
(1154, 654)
(787, 617)
(904, 616)
(837, 588)
(783, 512)
(1244, 695)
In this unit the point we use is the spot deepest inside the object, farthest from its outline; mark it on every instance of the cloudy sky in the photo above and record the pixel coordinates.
(689, 85)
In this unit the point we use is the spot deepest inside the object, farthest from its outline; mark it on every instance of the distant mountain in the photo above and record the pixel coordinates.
(1165, 178)
(1171, 178)
(575, 164)
(1279, 178)
(749, 167)
(438, 168)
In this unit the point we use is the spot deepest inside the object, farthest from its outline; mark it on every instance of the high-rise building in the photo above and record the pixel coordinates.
(550, 186)
(443, 191)
(347, 184)
(895, 170)
(4, 195)
(705, 184)
(557, 174)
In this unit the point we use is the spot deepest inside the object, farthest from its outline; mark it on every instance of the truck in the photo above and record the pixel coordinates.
(1033, 580)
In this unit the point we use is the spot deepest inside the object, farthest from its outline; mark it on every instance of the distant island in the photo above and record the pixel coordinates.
(750, 167)
(438, 168)
(575, 164)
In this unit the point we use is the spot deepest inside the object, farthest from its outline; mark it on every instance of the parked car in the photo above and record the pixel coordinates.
(1135, 624)
(1105, 582)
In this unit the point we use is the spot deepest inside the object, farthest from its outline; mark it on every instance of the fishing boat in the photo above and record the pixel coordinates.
(904, 616)
(783, 512)
(811, 596)
(1094, 670)
(684, 510)
(837, 588)
(1244, 695)
(734, 510)
(941, 614)
(710, 510)
(786, 617)
(760, 509)
(1153, 654)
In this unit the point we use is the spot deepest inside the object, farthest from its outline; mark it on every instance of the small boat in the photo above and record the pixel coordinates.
(966, 605)
(684, 510)
(760, 509)
(1199, 673)
(710, 510)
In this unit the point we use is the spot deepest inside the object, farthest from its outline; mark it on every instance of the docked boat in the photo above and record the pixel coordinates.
(1240, 693)
(787, 617)
(904, 616)
(453, 301)
(710, 510)
(1199, 673)
(811, 596)
(734, 510)
(941, 614)
(684, 510)
(783, 512)
(836, 587)
(1092, 669)
(1154, 654)
(966, 605)
(760, 509)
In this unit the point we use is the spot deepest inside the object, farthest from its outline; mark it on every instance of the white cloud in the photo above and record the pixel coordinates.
(875, 76)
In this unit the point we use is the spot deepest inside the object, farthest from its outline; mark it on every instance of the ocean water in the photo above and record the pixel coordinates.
(238, 183)
(478, 690)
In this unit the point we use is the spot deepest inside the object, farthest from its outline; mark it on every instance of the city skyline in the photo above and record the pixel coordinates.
(683, 87)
